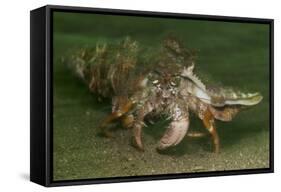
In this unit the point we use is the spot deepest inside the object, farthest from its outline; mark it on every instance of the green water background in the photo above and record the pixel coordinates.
(232, 54)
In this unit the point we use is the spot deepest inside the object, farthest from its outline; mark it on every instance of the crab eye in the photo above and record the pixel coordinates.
(173, 83)
(155, 82)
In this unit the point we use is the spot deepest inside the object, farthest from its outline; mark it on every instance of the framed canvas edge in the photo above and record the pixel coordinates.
(49, 91)
(128, 12)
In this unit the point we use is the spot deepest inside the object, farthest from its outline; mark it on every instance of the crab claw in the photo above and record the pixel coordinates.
(174, 134)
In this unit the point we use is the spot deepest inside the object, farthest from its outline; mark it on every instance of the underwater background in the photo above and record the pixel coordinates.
(229, 53)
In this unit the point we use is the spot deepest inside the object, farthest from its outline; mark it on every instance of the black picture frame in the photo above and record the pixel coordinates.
(41, 94)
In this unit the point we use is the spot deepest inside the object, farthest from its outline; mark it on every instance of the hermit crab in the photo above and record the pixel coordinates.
(145, 85)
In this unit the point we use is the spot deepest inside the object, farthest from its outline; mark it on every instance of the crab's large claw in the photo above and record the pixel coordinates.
(174, 134)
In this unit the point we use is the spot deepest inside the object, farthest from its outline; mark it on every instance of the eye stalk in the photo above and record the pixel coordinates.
(173, 84)
(155, 82)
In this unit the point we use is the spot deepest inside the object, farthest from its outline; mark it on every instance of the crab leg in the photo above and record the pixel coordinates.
(139, 123)
(208, 121)
(224, 114)
(113, 116)
(137, 135)
(127, 120)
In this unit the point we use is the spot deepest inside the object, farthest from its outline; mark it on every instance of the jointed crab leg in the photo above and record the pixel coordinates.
(127, 120)
(139, 123)
(224, 114)
(114, 116)
(209, 123)
(111, 117)
(137, 130)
